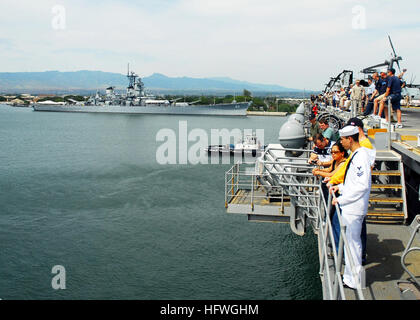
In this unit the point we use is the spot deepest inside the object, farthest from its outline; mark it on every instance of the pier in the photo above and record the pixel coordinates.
(263, 113)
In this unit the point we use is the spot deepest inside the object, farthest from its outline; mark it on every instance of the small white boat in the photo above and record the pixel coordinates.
(248, 146)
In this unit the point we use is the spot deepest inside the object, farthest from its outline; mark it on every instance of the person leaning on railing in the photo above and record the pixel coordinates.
(338, 177)
(322, 149)
(339, 156)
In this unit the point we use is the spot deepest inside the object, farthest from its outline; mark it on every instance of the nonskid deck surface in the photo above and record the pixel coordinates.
(385, 245)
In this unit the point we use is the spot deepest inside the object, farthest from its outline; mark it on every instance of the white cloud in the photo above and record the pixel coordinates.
(296, 43)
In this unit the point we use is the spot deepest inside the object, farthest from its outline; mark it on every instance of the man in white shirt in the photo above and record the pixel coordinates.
(371, 88)
(368, 101)
(354, 201)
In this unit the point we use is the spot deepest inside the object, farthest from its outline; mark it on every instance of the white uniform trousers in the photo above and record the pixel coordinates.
(353, 225)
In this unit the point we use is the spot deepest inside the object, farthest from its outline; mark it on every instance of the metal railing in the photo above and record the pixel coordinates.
(331, 274)
(278, 177)
(415, 227)
(243, 177)
(389, 123)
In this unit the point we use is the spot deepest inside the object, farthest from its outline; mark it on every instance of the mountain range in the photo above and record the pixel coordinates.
(98, 80)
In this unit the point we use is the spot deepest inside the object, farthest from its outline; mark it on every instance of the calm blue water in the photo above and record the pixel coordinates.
(85, 191)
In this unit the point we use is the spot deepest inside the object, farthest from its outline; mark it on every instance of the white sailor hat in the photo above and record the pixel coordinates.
(348, 131)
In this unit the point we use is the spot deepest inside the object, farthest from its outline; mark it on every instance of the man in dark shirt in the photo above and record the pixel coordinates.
(394, 92)
(322, 150)
(314, 129)
(380, 86)
(403, 83)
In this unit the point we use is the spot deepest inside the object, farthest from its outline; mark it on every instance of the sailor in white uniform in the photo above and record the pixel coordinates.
(354, 201)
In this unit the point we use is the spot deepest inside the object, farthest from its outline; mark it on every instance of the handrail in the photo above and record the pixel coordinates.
(327, 236)
(279, 181)
(290, 149)
(415, 226)
(389, 123)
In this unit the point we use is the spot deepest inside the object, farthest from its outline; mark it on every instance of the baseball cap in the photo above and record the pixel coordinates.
(356, 122)
(348, 131)
(312, 116)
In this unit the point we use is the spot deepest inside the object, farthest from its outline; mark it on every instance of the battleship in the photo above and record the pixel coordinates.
(137, 101)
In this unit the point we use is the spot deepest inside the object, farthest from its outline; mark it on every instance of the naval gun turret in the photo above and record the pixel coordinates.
(292, 134)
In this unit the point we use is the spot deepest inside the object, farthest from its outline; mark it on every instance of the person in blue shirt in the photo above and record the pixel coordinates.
(381, 86)
(328, 132)
(394, 92)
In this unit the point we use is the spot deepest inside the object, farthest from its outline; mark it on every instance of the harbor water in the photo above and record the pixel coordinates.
(86, 192)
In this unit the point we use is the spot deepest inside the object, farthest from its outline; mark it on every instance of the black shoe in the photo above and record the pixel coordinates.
(347, 287)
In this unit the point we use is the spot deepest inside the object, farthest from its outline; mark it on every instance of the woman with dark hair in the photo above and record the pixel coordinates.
(339, 155)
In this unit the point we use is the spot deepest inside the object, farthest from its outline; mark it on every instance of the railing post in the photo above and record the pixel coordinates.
(340, 242)
(237, 176)
(233, 184)
(226, 183)
(389, 123)
(322, 228)
(328, 205)
(252, 193)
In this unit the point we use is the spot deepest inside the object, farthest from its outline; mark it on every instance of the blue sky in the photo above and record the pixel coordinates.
(297, 44)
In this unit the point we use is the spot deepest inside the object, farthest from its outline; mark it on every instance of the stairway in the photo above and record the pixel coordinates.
(387, 201)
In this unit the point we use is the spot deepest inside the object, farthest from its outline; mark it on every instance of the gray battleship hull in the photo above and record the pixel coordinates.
(228, 109)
